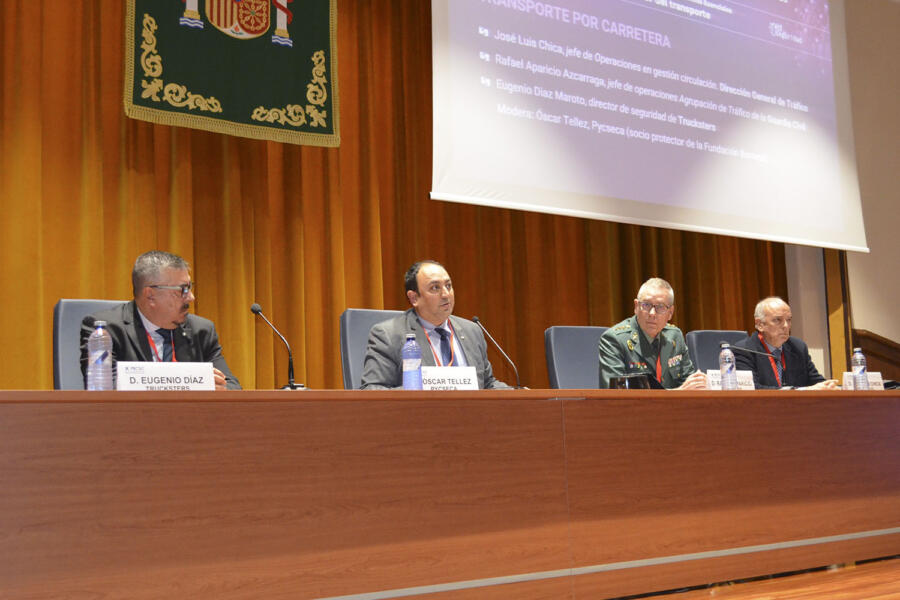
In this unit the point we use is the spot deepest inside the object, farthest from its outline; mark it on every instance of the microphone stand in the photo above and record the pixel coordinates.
(256, 309)
(733, 347)
(515, 370)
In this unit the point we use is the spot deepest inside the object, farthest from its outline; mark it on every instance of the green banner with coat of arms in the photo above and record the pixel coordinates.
(263, 69)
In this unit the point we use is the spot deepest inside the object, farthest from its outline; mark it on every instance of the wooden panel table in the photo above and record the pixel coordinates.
(497, 494)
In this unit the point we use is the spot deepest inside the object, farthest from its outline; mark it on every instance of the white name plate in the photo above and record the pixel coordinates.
(744, 379)
(164, 376)
(449, 378)
(874, 377)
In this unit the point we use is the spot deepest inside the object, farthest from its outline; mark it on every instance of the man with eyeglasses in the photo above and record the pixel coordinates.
(780, 359)
(156, 326)
(647, 344)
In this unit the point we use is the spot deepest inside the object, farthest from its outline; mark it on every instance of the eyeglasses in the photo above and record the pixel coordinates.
(185, 288)
(660, 308)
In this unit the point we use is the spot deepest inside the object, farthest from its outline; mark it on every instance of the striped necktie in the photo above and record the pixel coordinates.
(446, 351)
(776, 352)
(168, 336)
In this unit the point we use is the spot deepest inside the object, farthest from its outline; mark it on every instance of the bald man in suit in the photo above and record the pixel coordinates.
(445, 340)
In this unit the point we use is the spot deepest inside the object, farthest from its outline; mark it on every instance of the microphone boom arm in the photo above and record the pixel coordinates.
(496, 345)
(733, 347)
(257, 310)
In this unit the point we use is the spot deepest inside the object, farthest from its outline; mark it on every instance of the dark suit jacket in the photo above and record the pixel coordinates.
(381, 369)
(799, 368)
(195, 341)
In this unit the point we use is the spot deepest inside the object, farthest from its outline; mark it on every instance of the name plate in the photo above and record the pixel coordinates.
(744, 379)
(164, 376)
(449, 378)
(874, 377)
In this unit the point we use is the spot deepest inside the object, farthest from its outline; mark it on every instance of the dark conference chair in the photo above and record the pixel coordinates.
(67, 317)
(573, 359)
(703, 345)
(355, 326)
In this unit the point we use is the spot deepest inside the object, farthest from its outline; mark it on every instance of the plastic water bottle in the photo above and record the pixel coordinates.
(860, 374)
(412, 363)
(99, 368)
(727, 368)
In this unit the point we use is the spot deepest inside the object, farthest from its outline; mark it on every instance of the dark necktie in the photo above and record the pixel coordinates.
(168, 338)
(446, 352)
(777, 353)
(655, 351)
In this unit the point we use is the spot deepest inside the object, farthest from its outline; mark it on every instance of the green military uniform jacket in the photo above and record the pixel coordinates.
(625, 350)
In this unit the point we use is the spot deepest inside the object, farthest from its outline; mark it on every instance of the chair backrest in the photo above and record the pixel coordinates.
(355, 326)
(67, 317)
(573, 358)
(703, 345)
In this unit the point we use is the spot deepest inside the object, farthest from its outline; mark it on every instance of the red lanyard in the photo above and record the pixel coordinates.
(659, 365)
(772, 360)
(437, 359)
(156, 352)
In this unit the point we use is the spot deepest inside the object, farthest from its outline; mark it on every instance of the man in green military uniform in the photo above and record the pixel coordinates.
(646, 343)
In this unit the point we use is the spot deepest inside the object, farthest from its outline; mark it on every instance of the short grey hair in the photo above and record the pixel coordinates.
(150, 265)
(657, 283)
(763, 306)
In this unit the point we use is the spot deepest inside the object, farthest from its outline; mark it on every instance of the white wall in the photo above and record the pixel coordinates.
(873, 49)
(805, 270)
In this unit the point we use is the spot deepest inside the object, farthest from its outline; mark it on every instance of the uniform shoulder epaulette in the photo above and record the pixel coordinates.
(626, 326)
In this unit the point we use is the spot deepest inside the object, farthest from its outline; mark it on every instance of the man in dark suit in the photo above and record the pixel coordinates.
(790, 364)
(445, 340)
(156, 326)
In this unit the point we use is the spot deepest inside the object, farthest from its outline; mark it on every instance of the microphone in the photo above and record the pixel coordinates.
(515, 370)
(256, 309)
(733, 347)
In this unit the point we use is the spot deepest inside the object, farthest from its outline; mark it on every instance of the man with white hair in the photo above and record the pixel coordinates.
(647, 344)
(789, 364)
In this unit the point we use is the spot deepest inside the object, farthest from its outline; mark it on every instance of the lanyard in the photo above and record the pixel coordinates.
(772, 360)
(156, 352)
(437, 359)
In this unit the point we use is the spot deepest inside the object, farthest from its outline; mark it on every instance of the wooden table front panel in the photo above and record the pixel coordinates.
(322, 494)
(256, 499)
(719, 472)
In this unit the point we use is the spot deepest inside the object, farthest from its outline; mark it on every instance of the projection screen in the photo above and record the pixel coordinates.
(717, 116)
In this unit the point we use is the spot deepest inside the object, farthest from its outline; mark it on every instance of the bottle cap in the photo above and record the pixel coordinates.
(99, 324)
(409, 336)
(857, 350)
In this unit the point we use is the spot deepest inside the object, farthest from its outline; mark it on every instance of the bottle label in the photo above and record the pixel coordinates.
(728, 372)
(859, 370)
(412, 364)
(99, 356)
(412, 378)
